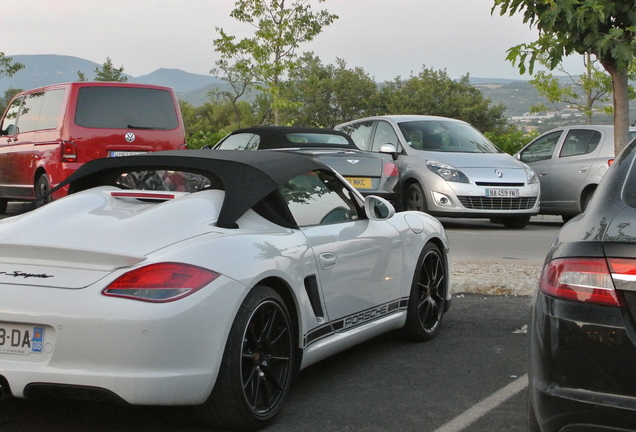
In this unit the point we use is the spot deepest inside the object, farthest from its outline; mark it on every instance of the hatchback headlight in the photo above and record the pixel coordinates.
(447, 172)
(531, 176)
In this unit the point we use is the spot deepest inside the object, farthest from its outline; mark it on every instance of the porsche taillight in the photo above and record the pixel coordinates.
(69, 152)
(581, 279)
(390, 169)
(161, 282)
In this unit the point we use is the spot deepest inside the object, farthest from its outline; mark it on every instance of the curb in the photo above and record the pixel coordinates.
(495, 279)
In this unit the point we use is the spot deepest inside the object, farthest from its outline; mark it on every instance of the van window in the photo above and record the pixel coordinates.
(125, 108)
(51, 109)
(40, 110)
(30, 111)
(10, 120)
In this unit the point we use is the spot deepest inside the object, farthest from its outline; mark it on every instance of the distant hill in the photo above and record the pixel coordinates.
(517, 95)
(45, 69)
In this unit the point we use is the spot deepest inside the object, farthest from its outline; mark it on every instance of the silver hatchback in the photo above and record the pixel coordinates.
(449, 169)
(570, 162)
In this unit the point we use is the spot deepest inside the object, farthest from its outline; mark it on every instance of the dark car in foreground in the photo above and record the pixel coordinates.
(583, 329)
(370, 173)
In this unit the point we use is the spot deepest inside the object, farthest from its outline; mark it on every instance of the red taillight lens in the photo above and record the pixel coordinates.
(69, 152)
(390, 169)
(581, 279)
(610, 162)
(160, 283)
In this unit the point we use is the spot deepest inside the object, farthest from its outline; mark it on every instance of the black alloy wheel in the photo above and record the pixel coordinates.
(428, 295)
(257, 365)
(266, 357)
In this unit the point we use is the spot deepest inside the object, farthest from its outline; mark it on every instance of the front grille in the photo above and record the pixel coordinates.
(484, 203)
(495, 184)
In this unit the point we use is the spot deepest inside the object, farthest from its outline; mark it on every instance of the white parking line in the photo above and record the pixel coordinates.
(482, 408)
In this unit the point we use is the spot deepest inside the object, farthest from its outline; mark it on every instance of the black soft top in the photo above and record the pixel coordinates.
(247, 177)
(281, 137)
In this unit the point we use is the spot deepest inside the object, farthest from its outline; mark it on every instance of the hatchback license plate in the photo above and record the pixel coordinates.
(21, 339)
(117, 153)
(359, 182)
(502, 193)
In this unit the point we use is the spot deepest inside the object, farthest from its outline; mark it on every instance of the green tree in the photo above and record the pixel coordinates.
(106, 73)
(605, 28)
(582, 91)
(239, 78)
(8, 95)
(8, 67)
(435, 93)
(279, 29)
(326, 95)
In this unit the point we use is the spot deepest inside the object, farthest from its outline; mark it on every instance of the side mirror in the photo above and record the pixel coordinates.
(10, 130)
(378, 208)
(389, 149)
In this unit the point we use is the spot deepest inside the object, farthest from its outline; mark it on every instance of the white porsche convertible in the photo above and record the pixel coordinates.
(207, 278)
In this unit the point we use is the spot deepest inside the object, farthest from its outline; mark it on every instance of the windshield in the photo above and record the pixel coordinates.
(445, 136)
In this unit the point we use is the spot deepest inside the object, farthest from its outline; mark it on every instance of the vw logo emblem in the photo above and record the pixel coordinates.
(130, 137)
(353, 161)
(499, 173)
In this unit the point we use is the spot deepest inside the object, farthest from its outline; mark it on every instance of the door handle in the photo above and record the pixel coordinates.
(583, 169)
(328, 260)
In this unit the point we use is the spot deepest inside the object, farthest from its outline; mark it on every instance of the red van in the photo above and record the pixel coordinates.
(48, 132)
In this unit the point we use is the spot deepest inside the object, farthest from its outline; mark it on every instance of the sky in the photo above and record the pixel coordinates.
(386, 38)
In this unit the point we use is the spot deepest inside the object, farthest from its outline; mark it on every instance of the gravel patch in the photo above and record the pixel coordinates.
(495, 278)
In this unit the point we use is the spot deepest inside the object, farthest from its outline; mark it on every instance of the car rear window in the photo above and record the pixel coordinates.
(304, 139)
(125, 108)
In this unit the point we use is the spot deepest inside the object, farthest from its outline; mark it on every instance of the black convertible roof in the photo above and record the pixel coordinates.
(282, 137)
(248, 177)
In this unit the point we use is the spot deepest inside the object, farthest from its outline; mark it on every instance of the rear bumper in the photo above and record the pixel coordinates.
(582, 374)
(141, 353)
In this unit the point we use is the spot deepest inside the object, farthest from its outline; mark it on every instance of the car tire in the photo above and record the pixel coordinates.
(414, 198)
(257, 365)
(428, 295)
(3, 206)
(42, 189)
(516, 222)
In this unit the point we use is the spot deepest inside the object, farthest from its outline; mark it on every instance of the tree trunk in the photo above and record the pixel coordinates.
(620, 86)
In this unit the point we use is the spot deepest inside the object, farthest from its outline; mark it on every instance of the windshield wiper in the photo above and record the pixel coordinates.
(146, 127)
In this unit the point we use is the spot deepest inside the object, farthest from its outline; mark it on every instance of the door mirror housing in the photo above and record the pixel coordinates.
(378, 208)
(389, 149)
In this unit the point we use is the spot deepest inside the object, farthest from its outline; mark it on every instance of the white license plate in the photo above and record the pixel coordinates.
(114, 153)
(502, 193)
(21, 339)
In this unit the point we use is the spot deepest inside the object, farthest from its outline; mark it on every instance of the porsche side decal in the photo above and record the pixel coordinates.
(355, 320)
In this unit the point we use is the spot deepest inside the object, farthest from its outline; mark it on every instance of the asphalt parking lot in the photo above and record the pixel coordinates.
(451, 383)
